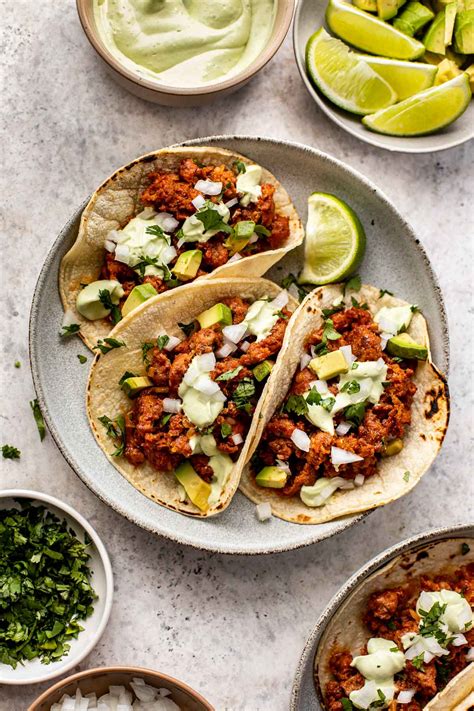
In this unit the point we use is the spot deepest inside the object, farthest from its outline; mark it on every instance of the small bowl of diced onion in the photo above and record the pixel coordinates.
(126, 688)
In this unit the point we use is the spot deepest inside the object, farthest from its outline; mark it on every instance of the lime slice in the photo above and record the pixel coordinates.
(345, 79)
(369, 33)
(405, 78)
(335, 240)
(424, 113)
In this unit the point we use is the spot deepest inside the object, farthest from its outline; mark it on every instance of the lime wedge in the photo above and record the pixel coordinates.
(344, 78)
(369, 33)
(335, 240)
(424, 113)
(405, 78)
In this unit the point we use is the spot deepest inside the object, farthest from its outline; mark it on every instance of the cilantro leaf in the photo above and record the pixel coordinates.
(353, 283)
(346, 705)
(82, 358)
(70, 330)
(240, 166)
(146, 347)
(37, 414)
(243, 393)
(128, 374)
(108, 344)
(17, 364)
(162, 341)
(10, 452)
(465, 549)
(406, 476)
(303, 289)
(385, 291)
(165, 419)
(355, 413)
(115, 429)
(226, 430)
(329, 332)
(418, 661)
(296, 404)
(156, 231)
(314, 397)
(262, 231)
(187, 328)
(229, 374)
(351, 387)
(105, 299)
(212, 219)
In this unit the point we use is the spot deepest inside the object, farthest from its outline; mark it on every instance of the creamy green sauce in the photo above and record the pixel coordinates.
(185, 43)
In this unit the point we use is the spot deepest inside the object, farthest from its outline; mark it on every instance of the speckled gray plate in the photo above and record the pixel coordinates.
(304, 696)
(309, 17)
(395, 260)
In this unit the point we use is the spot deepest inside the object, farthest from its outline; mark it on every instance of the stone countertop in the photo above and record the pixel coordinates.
(233, 627)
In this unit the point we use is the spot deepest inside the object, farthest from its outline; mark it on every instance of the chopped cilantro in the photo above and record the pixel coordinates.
(128, 374)
(146, 347)
(329, 332)
(146, 261)
(393, 649)
(296, 404)
(303, 289)
(333, 310)
(10, 452)
(45, 585)
(162, 341)
(229, 374)
(105, 299)
(115, 429)
(391, 625)
(385, 291)
(353, 283)
(418, 661)
(38, 419)
(262, 231)
(243, 392)
(165, 419)
(240, 166)
(328, 403)
(17, 364)
(414, 308)
(108, 344)
(350, 387)
(406, 476)
(212, 219)
(187, 328)
(226, 430)
(156, 231)
(346, 705)
(82, 358)
(314, 397)
(355, 413)
(357, 305)
(70, 330)
(464, 549)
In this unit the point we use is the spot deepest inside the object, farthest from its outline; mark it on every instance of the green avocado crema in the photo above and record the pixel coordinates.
(88, 301)
(185, 42)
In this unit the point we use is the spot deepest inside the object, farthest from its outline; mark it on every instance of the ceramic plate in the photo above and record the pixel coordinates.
(395, 260)
(310, 17)
(304, 696)
(102, 581)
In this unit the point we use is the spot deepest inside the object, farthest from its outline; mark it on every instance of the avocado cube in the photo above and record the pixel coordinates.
(393, 447)
(187, 264)
(449, 18)
(403, 346)
(413, 18)
(464, 32)
(138, 295)
(134, 385)
(196, 488)
(434, 37)
(329, 365)
(367, 5)
(262, 370)
(240, 237)
(271, 477)
(219, 313)
(447, 70)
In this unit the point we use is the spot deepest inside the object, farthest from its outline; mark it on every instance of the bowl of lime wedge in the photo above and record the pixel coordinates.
(398, 74)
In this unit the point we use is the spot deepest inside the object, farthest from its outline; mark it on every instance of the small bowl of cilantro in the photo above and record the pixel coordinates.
(56, 587)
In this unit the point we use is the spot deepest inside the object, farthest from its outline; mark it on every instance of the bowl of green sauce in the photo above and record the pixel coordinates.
(185, 52)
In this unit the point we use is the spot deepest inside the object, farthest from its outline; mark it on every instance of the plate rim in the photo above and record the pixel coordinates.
(35, 356)
(332, 114)
(351, 583)
(48, 499)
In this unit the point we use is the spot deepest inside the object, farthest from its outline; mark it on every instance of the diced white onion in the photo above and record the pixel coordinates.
(301, 440)
(280, 301)
(219, 396)
(110, 246)
(385, 324)
(231, 203)
(113, 236)
(348, 355)
(347, 485)
(172, 343)
(235, 258)
(122, 253)
(254, 238)
(304, 360)
(342, 456)
(226, 350)
(263, 511)
(168, 254)
(283, 465)
(167, 222)
(244, 346)
(198, 202)
(207, 362)
(458, 640)
(171, 405)
(405, 696)
(206, 386)
(343, 428)
(208, 187)
(293, 291)
(118, 698)
(235, 333)
(470, 654)
(322, 387)
(181, 241)
(69, 318)
(237, 438)
(313, 352)
(359, 479)
(384, 339)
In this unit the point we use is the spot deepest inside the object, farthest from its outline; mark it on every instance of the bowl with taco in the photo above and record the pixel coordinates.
(358, 411)
(165, 220)
(400, 635)
(175, 392)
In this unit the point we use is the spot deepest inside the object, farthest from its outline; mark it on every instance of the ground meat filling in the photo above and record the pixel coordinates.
(163, 439)
(390, 614)
(382, 422)
(173, 193)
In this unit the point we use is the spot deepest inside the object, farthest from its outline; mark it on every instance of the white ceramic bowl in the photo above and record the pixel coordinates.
(308, 18)
(102, 580)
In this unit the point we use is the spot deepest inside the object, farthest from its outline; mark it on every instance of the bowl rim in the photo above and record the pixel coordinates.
(381, 559)
(279, 33)
(98, 671)
(109, 580)
(332, 114)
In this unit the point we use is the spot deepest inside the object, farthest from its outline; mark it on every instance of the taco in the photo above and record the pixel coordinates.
(166, 219)
(174, 395)
(404, 638)
(358, 413)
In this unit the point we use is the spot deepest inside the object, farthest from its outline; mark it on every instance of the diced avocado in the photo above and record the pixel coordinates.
(386, 9)
(219, 313)
(434, 37)
(367, 5)
(403, 346)
(393, 447)
(271, 477)
(138, 295)
(470, 73)
(464, 32)
(240, 237)
(196, 488)
(262, 370)
(413, 18)
(450, 16)
(446, 70)
(329, 365)
(134, 385)
(187, 264)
